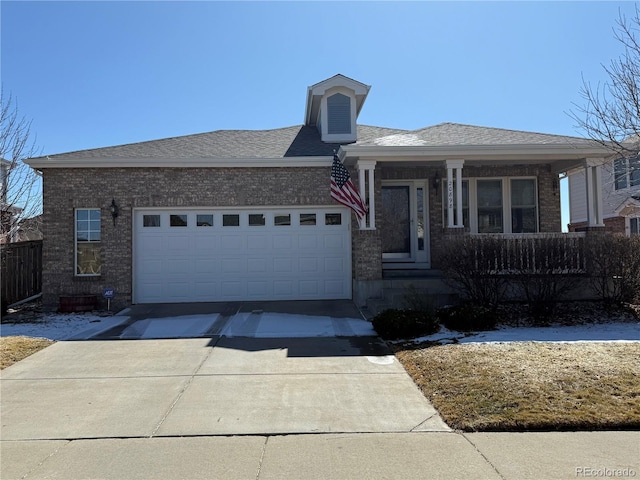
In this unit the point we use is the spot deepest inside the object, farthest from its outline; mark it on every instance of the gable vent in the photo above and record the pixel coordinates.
(339, 114)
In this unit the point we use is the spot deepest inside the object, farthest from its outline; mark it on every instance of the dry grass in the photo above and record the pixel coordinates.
(530, 386)
(14, 349)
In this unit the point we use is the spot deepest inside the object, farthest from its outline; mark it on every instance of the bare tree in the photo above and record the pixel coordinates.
(611, 113)
(20, 190)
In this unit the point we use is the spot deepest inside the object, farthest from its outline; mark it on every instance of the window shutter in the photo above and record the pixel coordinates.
(339, 114)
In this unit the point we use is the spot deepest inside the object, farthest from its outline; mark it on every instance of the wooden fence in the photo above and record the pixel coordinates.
(21, 271)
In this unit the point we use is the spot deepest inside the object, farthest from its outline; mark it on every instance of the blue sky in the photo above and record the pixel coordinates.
(93, 74)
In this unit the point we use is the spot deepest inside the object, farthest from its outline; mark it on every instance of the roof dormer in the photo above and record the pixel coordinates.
(333, 106)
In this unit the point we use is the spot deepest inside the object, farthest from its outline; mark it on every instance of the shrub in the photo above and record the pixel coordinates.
(394, 324)
(613, 263)
(546, 270)
(471, 265)
(468, 317)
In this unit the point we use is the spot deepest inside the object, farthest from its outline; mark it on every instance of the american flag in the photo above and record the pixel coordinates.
(344, 191)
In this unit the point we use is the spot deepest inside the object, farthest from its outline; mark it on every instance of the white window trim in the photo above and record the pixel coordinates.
(627, 174)
(506, 204)
(324, 115)
(75, 242)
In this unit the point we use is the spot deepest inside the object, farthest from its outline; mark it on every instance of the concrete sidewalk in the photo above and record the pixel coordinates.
(371, 456)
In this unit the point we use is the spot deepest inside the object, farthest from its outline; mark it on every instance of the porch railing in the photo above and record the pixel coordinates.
(535, 254)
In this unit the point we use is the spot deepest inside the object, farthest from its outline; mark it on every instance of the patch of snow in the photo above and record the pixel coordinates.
(61, 326)
(187, 326)
(604, 332)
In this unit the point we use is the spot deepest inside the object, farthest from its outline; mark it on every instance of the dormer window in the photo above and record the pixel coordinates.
(339, 114)
(333, 106)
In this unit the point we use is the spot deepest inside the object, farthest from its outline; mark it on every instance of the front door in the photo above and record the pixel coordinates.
(405, 240)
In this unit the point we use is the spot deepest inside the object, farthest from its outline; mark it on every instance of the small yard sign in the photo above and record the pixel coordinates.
(109, 293)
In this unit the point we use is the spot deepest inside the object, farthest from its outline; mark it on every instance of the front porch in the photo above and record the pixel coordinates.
(508, 255)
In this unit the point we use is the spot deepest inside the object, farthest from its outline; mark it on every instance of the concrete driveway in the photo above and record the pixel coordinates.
(258, 406)
(330, 376)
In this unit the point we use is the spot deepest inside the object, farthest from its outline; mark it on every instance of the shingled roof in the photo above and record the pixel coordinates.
(296, 141)
(456, 134)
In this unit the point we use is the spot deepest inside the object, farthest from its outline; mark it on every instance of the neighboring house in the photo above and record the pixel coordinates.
(247, 215)
(620, 196)
(30, 229)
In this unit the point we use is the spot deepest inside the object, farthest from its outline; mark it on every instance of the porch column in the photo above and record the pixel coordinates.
(366, 185)
(454, 202)
(593, 176)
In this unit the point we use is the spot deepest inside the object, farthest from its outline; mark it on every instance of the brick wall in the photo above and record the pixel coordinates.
(613, 225)
(66, 189)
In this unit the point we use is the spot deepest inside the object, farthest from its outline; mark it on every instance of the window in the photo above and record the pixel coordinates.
(333, 219)
(524, 214)
(204, 220)
(626, 172)
(256, 220)
(88, 261)
(178, 220)
(230, 220)
(501, 205)
(151, 220)
(489, 199)
(282, 220)
(634, 226)
(620, 173)
(307, 219)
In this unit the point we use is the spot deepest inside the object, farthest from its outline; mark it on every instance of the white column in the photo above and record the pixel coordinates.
(454, 205)
(366, 186)
(593, 176)
(450, 199)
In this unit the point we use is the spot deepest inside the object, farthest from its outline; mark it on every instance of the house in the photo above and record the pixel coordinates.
(235, 215)
(620, 196)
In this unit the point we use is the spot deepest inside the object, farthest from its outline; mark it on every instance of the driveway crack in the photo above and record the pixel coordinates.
(183, 390)
(264, 449)
(483, 456)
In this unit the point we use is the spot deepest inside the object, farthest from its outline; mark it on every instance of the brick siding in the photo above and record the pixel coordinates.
(613, 225)
(67, 189)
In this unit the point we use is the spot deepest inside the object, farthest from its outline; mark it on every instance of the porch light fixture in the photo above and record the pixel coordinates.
(114, 211)
(436, 181)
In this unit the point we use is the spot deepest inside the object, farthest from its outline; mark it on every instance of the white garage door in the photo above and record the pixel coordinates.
(205, 255)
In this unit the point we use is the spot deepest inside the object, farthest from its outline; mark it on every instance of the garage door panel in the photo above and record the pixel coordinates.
(179, 244)
(335, 264)
(307, 241)
(282, 265)
(232, 242)
(334, 241)
(243, 261)
(258, 289)
(308, 265)
(180, 266)
(255, 242)
(231, 289)
(233, 265)
(282, 288)
(282, 242)
(206, 265)
(257, 265)
(309, 287)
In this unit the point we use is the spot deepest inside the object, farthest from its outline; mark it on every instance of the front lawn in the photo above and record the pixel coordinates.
(529, 386)
(14, 349)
